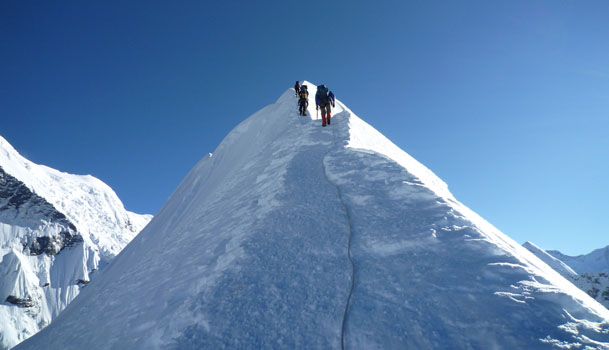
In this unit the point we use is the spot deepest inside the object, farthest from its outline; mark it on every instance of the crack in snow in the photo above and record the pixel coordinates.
(340, 197)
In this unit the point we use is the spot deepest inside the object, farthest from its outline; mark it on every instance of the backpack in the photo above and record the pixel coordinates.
(322, 94)
(304, 93)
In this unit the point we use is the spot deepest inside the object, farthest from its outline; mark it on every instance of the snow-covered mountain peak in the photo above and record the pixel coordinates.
(360, 135)
(296, 236)
(594, 262)
(11, 160)
(91, 205)
(56, 229)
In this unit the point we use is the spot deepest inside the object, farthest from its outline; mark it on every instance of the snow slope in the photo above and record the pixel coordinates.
(56, 229)
(594, 272)
(553, 262)
(293, 236)
(593, 277)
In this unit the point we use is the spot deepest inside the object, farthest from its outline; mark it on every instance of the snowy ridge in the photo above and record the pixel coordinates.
(593, 279)
(56, 229)
(554, 263)
(364, 137)
(594, 262)
(295, 236)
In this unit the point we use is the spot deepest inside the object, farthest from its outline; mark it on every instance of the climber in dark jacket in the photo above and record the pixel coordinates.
(323, 99)
(297, 87)
(303, 101)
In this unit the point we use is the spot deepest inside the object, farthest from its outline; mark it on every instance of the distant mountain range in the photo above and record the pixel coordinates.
(56, 231)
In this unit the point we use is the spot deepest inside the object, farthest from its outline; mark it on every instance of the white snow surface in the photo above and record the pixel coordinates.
(593, 278)
(89, 203)
(56, 202)
(294, 236)
(553, 262)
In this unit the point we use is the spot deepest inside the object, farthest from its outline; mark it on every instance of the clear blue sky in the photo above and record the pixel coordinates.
(508, 101)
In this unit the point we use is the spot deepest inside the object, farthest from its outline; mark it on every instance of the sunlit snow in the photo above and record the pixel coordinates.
(294, 236)
(38, 203)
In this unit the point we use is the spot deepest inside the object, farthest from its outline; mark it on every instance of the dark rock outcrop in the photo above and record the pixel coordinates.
(21, 302)
(18, 201)
(52, 245)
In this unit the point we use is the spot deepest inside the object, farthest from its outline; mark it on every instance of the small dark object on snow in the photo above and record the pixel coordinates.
(297, 87)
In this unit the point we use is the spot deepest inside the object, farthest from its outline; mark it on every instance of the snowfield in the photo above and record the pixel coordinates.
(294, 236)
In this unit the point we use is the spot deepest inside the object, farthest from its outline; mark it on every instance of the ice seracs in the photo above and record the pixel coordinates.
(294, 236)
(56, 230)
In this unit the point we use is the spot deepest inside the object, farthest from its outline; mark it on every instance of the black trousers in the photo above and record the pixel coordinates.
(303, 103)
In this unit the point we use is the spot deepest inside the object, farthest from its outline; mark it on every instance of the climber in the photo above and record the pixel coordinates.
(303, 101)
(297, 87)
(324, 98)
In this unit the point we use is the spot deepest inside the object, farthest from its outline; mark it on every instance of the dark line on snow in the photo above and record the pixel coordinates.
(340, 197)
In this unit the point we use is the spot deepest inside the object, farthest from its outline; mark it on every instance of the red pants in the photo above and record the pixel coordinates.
(325, 109)
(323, 119)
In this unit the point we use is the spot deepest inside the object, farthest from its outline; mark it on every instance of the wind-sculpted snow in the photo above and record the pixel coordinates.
(293, 236)
(450, 281)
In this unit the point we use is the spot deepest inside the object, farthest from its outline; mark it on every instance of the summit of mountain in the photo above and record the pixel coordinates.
(293, 235)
